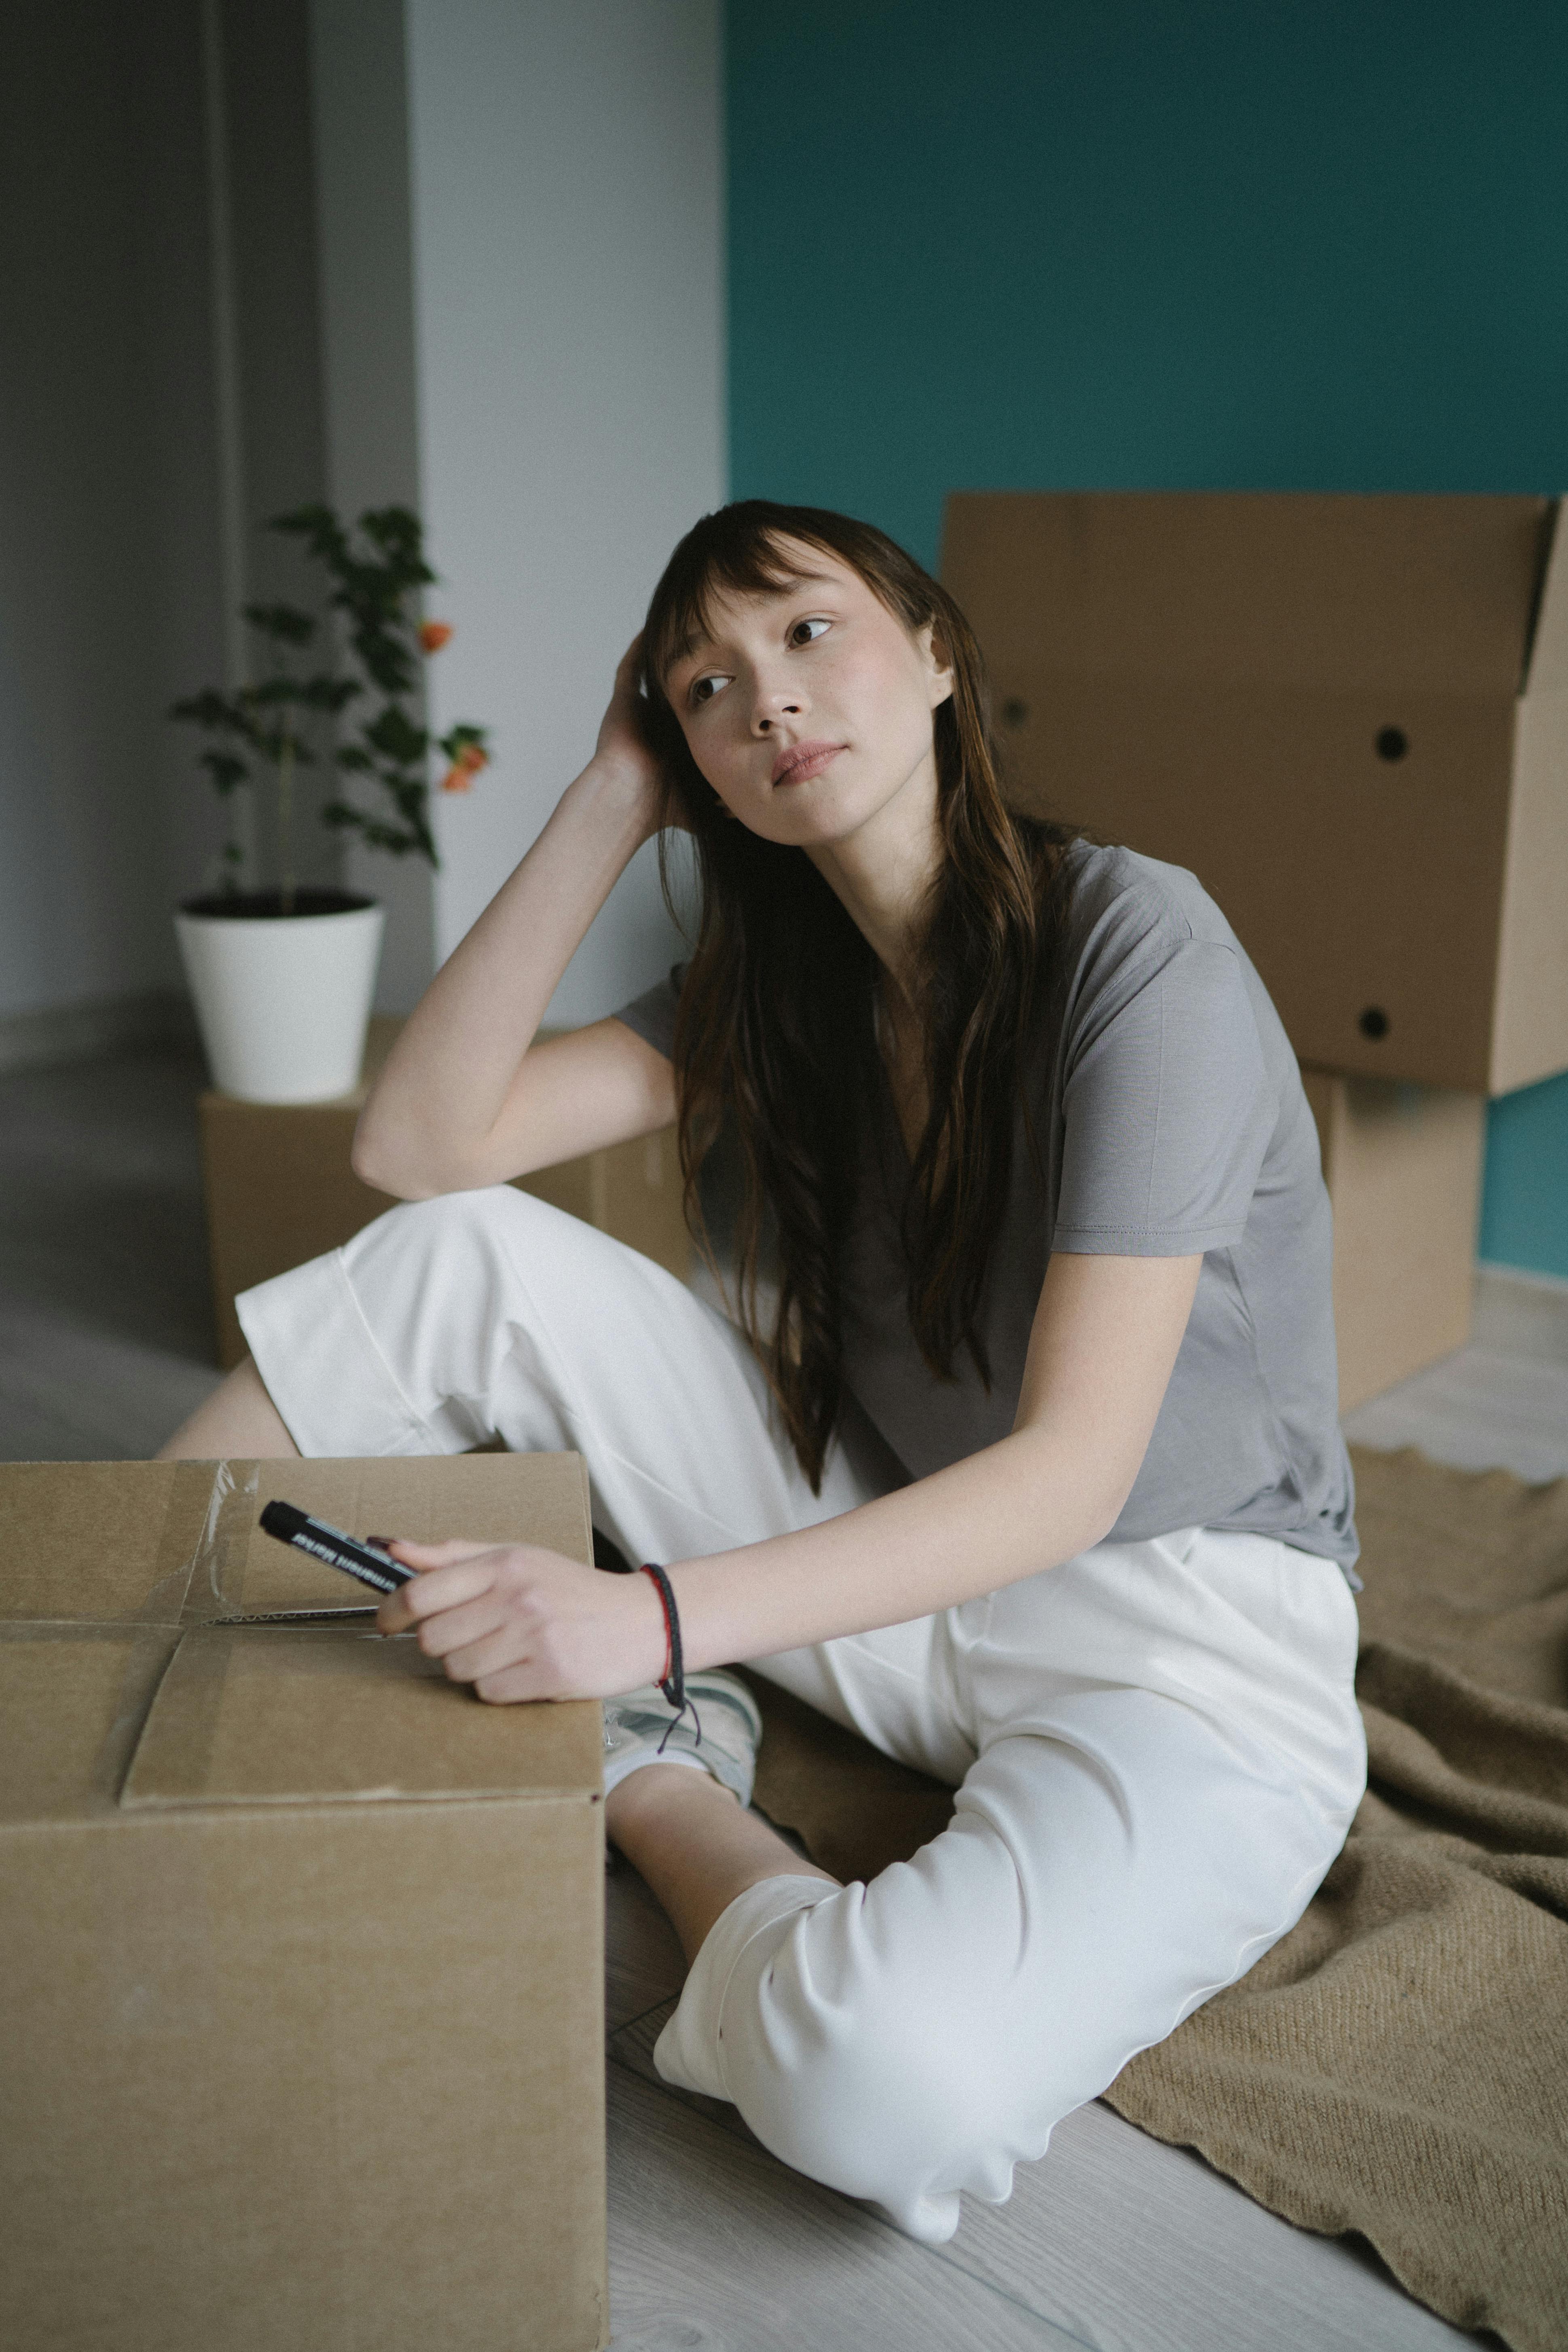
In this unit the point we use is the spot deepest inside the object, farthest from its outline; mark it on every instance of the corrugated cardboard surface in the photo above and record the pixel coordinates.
(1327, 709)
(279, 1190)
(328, 2078)
(295, 1714)
(1403, 1166)
(302, 1945)
(1533, 967)
(158, 1541)
(1349, 593)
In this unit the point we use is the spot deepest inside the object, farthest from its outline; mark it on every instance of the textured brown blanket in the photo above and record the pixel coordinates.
(1398, 2065)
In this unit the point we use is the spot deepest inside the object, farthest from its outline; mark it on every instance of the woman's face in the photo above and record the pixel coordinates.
(809, 708)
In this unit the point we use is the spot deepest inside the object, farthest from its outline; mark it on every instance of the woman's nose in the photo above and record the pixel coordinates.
(772, 708)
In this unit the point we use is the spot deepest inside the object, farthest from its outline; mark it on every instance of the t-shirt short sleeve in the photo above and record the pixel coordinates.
(1167, 1107)
(652, 1015)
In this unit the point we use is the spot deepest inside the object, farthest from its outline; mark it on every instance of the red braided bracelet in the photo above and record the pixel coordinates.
(661, 1586)
(672, 1682)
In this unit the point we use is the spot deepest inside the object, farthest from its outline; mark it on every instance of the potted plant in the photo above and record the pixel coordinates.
(283, 977)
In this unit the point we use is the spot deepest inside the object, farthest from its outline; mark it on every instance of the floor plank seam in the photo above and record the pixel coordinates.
(728, 2119)
(665, 2000)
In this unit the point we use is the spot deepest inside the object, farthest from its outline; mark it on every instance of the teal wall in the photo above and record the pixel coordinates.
(1158, 243)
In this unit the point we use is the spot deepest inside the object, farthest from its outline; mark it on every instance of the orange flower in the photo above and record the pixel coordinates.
(434, 634)
(460, 775)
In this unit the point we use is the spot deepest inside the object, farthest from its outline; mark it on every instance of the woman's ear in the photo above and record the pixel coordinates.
(938, 662)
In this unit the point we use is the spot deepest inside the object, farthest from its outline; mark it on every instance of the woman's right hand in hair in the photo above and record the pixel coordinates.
(467, 1097)
(623, 751)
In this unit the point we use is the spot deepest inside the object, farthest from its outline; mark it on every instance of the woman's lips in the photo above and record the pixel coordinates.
(805, 760)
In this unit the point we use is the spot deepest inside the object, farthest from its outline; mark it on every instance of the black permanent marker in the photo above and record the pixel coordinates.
(350, 1553)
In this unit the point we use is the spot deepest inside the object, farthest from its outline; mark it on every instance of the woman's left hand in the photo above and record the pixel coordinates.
(520, 1622)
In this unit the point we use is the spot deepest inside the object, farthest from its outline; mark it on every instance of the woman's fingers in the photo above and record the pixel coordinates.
(435, 1555)
(498, 1649)
(443, 1584)
(452, 1630)
(509, 1685)
(521, 1623)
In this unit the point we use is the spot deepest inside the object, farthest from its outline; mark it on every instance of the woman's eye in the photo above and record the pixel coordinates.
(701, 688)
(797, 639)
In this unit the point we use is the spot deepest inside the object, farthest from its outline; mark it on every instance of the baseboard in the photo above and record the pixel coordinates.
(1520, 1314)
(85, 1032)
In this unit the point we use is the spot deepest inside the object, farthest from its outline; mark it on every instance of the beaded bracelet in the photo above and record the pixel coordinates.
(672, 1682)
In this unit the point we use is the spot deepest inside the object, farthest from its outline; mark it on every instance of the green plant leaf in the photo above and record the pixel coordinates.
(332, 693)
(375, 572)
(394, 735)
(283, 623)
(399, 534)
(222, 712)
(224, 770)
(461, 737)
(319, 529)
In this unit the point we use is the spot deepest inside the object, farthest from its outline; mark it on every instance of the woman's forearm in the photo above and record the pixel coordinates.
(1028, 1503)
(433, 1109)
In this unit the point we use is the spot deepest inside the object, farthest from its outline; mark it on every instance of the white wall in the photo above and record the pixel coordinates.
(360, 110)
(533, 357)
(567, 198)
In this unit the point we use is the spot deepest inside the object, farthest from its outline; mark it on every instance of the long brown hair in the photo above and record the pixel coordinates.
(775, 1026)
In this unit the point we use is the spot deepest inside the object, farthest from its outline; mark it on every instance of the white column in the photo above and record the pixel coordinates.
(360, 96)
(567, 207)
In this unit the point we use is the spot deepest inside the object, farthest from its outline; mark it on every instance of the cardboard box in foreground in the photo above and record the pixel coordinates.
(1348, 716)
(1403, 1166)
(302, 2042)
(279, 1190)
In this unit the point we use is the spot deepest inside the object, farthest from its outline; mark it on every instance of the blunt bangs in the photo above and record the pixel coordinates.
(739, 551)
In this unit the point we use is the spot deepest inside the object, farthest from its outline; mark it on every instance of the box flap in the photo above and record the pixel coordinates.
(286, 1715)
(103, 1560)
(1548, 672)
(166, 1542)
(490, 1497)
(81, 1541)
(1331, 592)
(72, 1699)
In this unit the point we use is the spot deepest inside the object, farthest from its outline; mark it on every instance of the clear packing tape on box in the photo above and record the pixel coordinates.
(295, 1929)
(247, 1672)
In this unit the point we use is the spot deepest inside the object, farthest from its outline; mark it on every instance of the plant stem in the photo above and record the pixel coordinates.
(286, 818)
(239, 856)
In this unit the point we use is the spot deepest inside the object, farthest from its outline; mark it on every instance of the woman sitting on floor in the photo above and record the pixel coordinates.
(1033, 1477)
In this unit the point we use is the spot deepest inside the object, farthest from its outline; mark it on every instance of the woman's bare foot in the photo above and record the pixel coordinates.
(238, 1422)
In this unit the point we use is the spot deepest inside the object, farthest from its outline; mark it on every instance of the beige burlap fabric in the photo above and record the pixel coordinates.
(1398, 2065)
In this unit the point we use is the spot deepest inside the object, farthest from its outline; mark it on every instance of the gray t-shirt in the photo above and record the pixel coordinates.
(1168, 1118)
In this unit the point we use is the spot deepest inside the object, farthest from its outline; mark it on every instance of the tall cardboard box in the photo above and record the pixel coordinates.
(279, 1190)
(1403, 1166)
(302, 2042)
(1348, 716)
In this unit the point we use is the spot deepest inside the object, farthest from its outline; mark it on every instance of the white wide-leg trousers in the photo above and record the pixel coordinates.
(1155, 1746)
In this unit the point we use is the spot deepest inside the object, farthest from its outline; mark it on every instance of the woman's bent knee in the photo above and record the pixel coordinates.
(884, 2091)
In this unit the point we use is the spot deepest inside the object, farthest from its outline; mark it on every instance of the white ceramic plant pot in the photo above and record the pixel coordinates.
(283, 1001)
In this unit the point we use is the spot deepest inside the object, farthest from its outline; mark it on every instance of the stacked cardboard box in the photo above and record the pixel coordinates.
(1349, 717)
(302, 1945)
(279, 1190)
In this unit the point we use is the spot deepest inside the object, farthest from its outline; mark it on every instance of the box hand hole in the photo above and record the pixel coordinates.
(1373, 1022)
(1390, 743)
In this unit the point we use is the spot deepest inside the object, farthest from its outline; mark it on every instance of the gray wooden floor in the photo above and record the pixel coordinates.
(1112, 2241)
